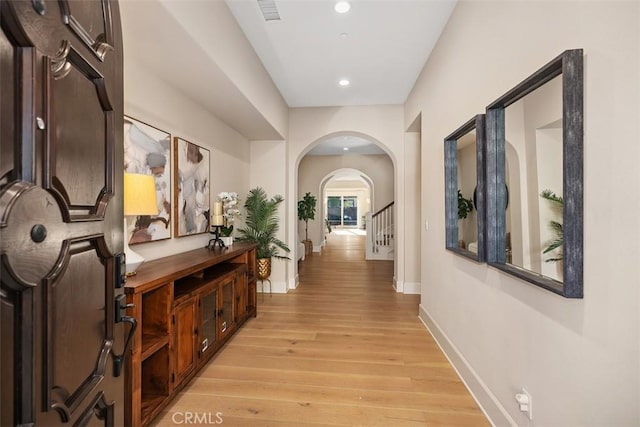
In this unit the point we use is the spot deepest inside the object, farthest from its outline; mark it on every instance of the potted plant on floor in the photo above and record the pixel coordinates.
(307, 211)
(261, 227)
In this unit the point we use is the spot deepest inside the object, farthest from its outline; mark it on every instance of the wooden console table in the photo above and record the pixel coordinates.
(187, 306)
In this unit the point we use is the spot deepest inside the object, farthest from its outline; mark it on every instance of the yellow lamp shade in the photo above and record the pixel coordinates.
(140, 195)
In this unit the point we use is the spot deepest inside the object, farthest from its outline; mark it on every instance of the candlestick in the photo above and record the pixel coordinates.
(216, 240)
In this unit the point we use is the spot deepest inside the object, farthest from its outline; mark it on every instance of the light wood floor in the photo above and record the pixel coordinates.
(343, 349)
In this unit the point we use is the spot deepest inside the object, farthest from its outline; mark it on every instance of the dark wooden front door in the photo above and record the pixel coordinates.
(61, 213)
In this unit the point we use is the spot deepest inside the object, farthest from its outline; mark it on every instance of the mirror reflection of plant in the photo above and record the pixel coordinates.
(465, 206)
(555, 226)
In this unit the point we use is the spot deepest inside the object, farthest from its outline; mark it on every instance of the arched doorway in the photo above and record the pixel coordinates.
(346, 196)
(352, 168)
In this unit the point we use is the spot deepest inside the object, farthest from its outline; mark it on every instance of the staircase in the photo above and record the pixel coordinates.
(380, 234)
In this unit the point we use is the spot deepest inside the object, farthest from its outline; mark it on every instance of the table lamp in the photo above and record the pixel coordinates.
(139, 199)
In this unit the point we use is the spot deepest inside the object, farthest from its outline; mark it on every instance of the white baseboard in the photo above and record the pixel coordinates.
(378, 257)
(413, 288)
(398, 285)
(485, 399)
(276, 287)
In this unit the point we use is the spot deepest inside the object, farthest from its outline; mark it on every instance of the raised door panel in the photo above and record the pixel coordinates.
(79, 339)
(60, 291)
(241, 296)
(79, 144)
(227, 314)
(208, 330)
(9, 90)
(252, 297)
(184, 338)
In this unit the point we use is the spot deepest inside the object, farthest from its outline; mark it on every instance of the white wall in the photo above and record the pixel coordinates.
(412, 218)
(578, 358)
(157, 103)
(313, 169)
(178, 97)
(382, 124)
(212, 25)
(268, 171)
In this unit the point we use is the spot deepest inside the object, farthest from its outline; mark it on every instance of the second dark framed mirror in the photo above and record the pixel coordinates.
(464, 189)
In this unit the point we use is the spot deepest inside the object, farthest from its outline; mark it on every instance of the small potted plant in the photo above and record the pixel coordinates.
(230, 211)
(307, 211)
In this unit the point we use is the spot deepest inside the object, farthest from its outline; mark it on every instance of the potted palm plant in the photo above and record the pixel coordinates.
(261, 227)
(307, 211)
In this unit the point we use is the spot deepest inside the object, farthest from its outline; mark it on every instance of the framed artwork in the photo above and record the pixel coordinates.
(191, 177)
(147, 151)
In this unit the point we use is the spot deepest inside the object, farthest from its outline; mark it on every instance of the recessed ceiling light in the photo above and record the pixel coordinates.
(346, 148)
(342, 7)
(344, 82)
(343, 36)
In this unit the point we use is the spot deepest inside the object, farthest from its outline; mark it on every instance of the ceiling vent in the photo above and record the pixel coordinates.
(269, 10)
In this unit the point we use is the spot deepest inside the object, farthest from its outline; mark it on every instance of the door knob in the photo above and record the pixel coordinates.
(38, 233)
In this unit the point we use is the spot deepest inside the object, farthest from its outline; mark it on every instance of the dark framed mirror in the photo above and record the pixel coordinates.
(535, 149)
(464, 160)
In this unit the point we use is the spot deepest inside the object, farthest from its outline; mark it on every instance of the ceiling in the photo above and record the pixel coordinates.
(337, 144)
(380, 46)
(387, 44)
(383, 47)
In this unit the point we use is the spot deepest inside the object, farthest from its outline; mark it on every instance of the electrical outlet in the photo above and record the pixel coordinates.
(525, 401)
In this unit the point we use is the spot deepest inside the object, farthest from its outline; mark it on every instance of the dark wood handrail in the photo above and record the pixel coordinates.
(383, 209)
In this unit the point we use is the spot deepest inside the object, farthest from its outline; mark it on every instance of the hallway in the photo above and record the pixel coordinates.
(341, 349)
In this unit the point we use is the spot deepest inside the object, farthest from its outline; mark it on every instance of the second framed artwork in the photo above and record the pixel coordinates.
(191, 188)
